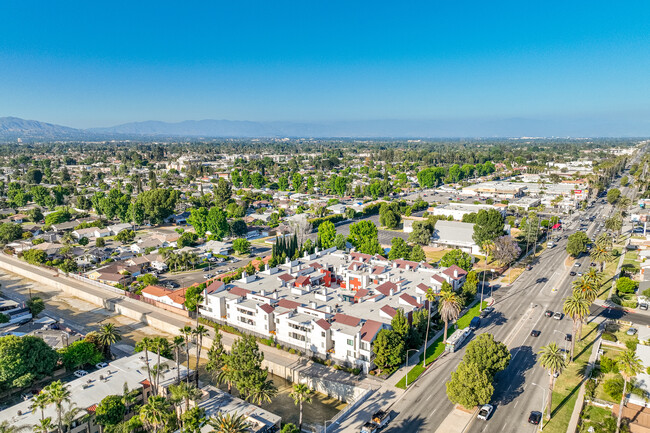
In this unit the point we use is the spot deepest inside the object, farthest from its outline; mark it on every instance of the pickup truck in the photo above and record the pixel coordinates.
(379, 420)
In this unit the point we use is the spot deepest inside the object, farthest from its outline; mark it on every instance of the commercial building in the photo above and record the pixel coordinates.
(458, 210)
(455, 235)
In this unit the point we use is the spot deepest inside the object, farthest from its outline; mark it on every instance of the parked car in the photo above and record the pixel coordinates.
(631, 331)
(548, 313)
(535, 333)
(643, 306)
(577, 265)
(80, 373)
(529, 267)
(568, 337)
(485, 412)
(486, 311)
(535, 417)
(557, 316)
(101, 365)
(572, 273)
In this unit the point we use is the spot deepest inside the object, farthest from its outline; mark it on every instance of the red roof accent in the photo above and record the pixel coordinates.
(145, 383)
(285, 303)
(346, 320)
(388, 310)
(403, 263)
(216, 285)
(385, 288)
(378, 270)
(302, 280)
(422, 287)
(438, 278)
(285, 277)
(361, 293)
(370, 329)
(156, 291)
(380, 257)
(360, 256)
(316, 265)
(353, 264)
(267, 308)
(450, 271)
(323, 324)
(92, 408)
(238, 291)
(410, 300)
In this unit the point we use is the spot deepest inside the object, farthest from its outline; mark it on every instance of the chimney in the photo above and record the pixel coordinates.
(394, 265)
(286, 261)
(355, 266)
(275, 295)
(263, 292)
(455, 273)
(312, 304)
(392, 292)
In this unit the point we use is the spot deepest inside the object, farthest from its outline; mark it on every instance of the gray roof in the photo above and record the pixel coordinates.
(453, 231)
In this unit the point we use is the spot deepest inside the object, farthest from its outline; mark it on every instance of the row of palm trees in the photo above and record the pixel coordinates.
(182, 261)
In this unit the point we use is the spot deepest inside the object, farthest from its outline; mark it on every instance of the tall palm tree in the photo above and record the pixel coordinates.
(630, 366)
(154, 414)
(449, 308)
(585, 288)
(595, 277)
(44, 426)
(199, 332)
(107, 336)
(601, 256)
(229, 423)
(57, 394)
(177, 343)
(262, 393)
(187, 333)
(147, 343)
(577, 308)
(604, 241)
(430, 296)
(6, 427)
(552, 360)
(184, 393)
(158, 344)
(40, 402)
(300, 394)
(227, 374)
(70, 416)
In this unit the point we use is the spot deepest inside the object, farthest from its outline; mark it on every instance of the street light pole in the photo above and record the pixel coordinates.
(541, 421)
(407, 366)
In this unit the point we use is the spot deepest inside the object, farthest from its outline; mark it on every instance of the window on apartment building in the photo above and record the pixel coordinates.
(350, 342)
(349, 353)
(322, 334)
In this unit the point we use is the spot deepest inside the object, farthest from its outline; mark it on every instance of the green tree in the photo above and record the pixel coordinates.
(505, 250)
(626, 285)
(199, 332)
(327, 234)
(577, 243)
(283, 183)
(241, 246)
(125, 236)
(488, 226)
(488, 354)
(399, 249)
(459, 258)
(552, 360)
(27, 357)
(417, 254)
(585, 288)
(193, 420)
(157, 204)
(35, 257)
(340, 242)
(389, 349)
(80, 353)
(630, 366)
(601, 256)
(9, 232)
(57, 394)
(289, 428)
(110, 411)
(449, 308)
(430, 297)
(222, 193)
(155, 413)
(400, 323)
(470, 285)
(577, 308)
(36, 305)
(470, 386)
(229, 423)
(108, 335)
(613, 195)
(421, 233)
(246, 361)
(363, 236)
(301, 394)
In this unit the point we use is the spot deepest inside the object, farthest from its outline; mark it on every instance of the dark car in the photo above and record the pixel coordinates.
(529, 267)
(548, 313)
(572, 273)
(535, 417)
(568, 337)
(535, 333)
(486, 311)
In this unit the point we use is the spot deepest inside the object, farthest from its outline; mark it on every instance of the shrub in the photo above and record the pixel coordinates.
(608, 336)
(292, 351)
(607, 365)
(371, 372)
(278, 346)
(631, 344)
(614, 388)
(626, 285)
(590, 388)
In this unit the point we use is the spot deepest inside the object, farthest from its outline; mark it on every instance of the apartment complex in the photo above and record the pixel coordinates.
(330, 304)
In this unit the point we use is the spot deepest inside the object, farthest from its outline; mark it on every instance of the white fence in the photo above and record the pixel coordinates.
(353, 405)
(96, 283)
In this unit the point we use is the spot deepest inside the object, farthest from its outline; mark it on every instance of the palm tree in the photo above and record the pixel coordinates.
(40, 402)
(449, 308)
(594, 277)
(154, 414)
(5, 427)
(184, 393)
(430, 297)
(604, 241)
(262, 393)
(108, 335)
(601, 256)
(70, 416)
(44, 426)
(551, 359)
(301, 394)
(158, 344)
(585, 288)
(630, 366)
(577, 308)
(187, 332)
(146, 343)
(199, 332)
(177, 343)
(226, 375)
(57, 394)
(229, 423)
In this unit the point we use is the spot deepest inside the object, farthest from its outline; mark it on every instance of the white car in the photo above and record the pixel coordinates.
(101, 365)
(485, 412)
(80, 373)
(557, 316)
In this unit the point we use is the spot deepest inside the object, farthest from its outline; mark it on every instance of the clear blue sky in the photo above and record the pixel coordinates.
(91, 63)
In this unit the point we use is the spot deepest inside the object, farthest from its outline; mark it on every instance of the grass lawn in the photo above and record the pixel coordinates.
(600, 391)
(437, 347)
(434, 256)
(593, 416)
(511, 275)
(608, 274)
(568, 383)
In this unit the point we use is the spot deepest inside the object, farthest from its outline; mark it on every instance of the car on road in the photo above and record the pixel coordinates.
(101, 365)
(557, 315)
(485, 412)
(486, 311)
(580, 274)
(572, 273)
(529, 267)
(535, 333)
(548, 313)
(578, 264)
(80, 373)
(631, 331)
(568, 337)
(643, 306)
(535, 417)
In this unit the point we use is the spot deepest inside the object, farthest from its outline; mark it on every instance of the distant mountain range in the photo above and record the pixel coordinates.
(12, 128)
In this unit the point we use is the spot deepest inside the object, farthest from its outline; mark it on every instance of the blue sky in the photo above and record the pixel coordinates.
(92, 63)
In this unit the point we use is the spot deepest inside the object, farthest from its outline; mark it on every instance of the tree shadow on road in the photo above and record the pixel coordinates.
(510, 383)
(497, 318)
(408, 424)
